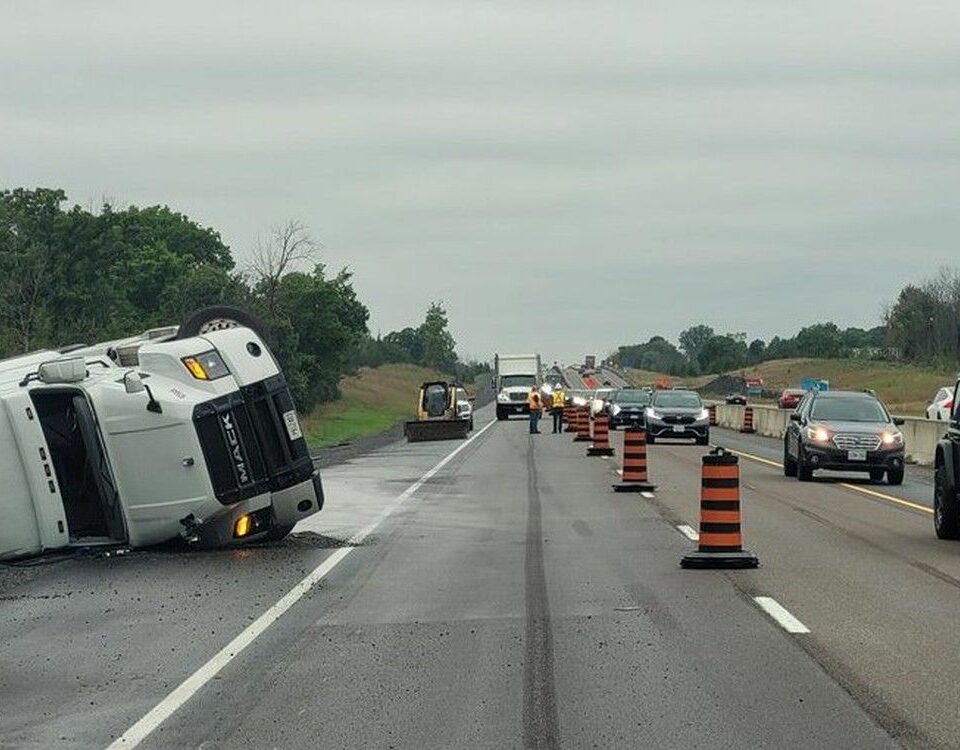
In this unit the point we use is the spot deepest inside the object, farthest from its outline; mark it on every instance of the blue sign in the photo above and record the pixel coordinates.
(814, 384)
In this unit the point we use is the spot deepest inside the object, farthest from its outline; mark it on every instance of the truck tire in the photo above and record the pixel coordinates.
(789, 464)
(501, 415)
(895, 476)
(217, 318)
(946, 518)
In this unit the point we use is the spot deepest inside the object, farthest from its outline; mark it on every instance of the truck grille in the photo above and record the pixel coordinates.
(518, 396)
(245, 442)
(853, 441)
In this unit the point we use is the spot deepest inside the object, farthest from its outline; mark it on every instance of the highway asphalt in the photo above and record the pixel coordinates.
(504, 596)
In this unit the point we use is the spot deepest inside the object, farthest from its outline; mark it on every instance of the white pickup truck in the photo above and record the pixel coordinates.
(184, 431)
(514, 376)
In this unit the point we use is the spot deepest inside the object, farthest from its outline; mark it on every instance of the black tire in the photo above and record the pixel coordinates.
(219, 317)
(946, 518)
(705, 440)
(876, 475)
(651, 439)
(471, 424)
(789, 464)
(278, 532)
(804, 470)
(500, 414)
(895, 476)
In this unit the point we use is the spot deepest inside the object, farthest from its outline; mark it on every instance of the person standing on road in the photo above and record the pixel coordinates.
(533, 401)
(559, 399)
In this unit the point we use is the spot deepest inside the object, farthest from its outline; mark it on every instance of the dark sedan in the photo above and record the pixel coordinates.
(736, 398)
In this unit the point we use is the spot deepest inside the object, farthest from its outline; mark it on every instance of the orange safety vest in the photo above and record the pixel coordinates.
(533, 400)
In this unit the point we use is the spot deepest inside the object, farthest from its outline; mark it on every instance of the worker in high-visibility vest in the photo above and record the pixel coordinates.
(559, 400)
(535, 404)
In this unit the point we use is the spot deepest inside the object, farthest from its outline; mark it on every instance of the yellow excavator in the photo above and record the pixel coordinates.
(437, 414)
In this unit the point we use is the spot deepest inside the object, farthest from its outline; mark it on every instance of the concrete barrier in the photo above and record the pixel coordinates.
(920, 436)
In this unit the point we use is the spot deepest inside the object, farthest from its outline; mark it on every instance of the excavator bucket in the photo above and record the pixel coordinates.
(437, 429)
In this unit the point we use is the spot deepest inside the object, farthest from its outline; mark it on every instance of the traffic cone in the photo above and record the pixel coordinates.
(601, 437)
(634, 477)
(747, 425)
(583, 425)
(712, 411)
(721, 542)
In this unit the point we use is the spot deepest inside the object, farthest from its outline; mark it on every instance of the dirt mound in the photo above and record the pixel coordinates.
(722, 385)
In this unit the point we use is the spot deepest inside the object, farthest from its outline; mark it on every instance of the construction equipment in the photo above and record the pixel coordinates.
(437, 417)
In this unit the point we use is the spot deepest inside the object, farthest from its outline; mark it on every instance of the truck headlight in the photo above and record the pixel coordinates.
(502, 397)
(206, 366)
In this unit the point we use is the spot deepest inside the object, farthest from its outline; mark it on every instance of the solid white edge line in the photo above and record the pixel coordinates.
(689, 532)
(189, 687)
(783, 618)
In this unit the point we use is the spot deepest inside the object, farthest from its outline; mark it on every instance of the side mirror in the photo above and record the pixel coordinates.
(471, 399)
(899, 421)
(795, 417)
(132, 383)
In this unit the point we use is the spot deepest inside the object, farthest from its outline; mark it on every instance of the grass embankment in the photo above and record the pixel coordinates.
(372, 401)
(906, 389)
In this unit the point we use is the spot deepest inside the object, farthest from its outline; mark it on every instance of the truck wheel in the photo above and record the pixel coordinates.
(218, 318)
(945, 517)
(501, 415)
(279, 532)
(895, 476)
(789, 465)
(804, 471)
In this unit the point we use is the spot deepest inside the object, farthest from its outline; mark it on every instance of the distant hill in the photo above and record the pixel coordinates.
(906, 389)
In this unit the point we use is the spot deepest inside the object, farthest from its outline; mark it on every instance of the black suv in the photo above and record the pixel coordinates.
(843, 431)
(627, 407)
(946, 483)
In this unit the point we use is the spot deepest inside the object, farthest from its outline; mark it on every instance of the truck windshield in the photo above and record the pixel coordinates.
(513, 381)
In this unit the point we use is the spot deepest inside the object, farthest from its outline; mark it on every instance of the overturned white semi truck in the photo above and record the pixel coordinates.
(188, 431)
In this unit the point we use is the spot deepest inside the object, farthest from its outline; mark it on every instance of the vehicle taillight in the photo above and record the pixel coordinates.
(948, 404)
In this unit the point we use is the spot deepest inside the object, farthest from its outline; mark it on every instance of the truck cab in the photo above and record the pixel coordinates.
(143, 440)
(514, 376)
(946, 492)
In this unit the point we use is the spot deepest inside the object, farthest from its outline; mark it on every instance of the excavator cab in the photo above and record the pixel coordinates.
(437, 414)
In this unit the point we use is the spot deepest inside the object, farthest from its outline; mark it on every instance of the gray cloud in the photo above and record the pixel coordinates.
(566, 176)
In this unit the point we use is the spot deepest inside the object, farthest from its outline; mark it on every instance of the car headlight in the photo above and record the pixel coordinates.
(890, 438)
(615, 409)
(579, 401)
(206, 366)
(818, 434)
(653, 413)
(704, 414)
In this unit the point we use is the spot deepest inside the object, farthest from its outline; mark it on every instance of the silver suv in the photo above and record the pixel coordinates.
(677, 414)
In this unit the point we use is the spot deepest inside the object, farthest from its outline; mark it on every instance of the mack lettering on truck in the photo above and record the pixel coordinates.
(236, 449)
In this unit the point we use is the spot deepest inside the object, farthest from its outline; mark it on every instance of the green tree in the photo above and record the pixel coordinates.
(439, 348)
(692, 342)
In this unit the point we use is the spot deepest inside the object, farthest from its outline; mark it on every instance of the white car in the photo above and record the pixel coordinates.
(464, 406)
(942, 406)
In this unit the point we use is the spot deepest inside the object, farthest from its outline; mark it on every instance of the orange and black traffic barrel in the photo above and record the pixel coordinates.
(747, 420)
(721, 536)
(712, 411)
(583, 425)
(634, 478)
(601, 437)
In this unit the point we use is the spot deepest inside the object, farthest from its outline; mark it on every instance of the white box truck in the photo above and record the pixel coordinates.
(184, 431)
(515, 375)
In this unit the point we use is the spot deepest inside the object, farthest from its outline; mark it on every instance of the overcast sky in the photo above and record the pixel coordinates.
(566, 177)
